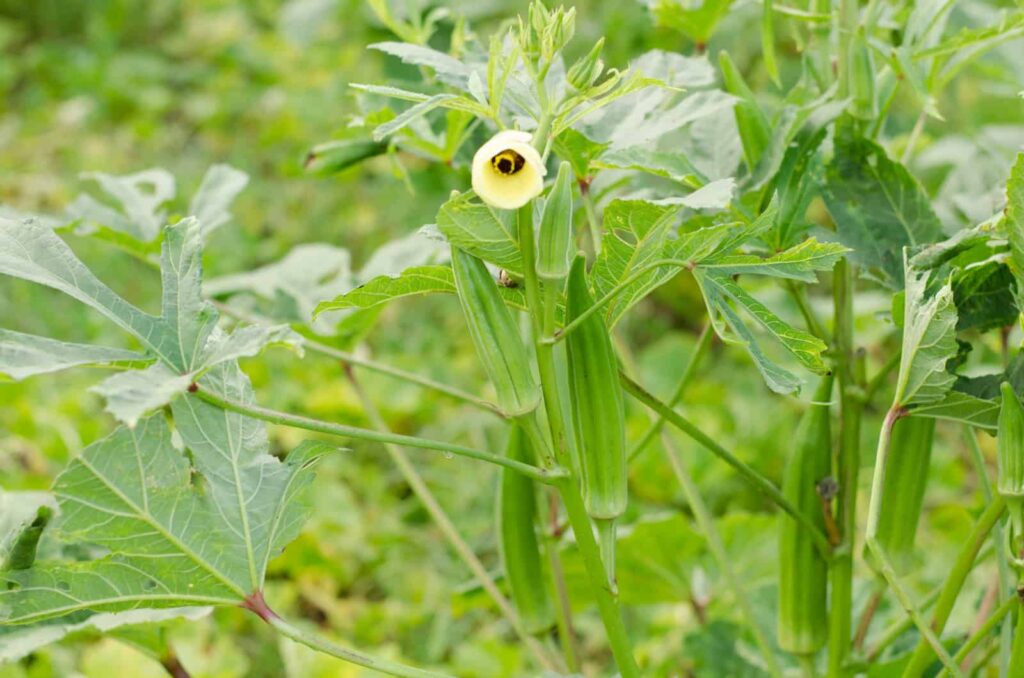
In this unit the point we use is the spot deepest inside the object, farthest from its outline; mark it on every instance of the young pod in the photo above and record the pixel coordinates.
(862, 79)
(751, 121)
(803, 573)
(554, 242)
(495, 335)
(906, 476)
(597, 412)
(1010, 447)
(519, 547)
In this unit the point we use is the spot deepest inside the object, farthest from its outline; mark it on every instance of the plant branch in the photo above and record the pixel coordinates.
(982, 632)
(546, 476)
(321, 644)
(753, 477)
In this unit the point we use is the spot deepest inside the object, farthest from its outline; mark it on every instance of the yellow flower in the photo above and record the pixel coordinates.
(507, 171)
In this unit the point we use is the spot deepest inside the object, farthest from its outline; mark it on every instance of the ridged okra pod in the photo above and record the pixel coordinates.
(803, 573)
(1010, 457)
(597, 412)
(751, 122)
(495, 335)
(906, 476)
(554, 242)
(520, 550)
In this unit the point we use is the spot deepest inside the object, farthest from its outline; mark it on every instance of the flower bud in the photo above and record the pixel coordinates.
(587, 69)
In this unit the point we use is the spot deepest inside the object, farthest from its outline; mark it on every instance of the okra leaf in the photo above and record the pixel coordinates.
(26, 355)
(800, 262)
(985, 296)
(184, 339)
(1015, 224)
(17, 642)
(406, 117)
(730, 326)
(963, 408)
(142, 198)
(929, 341)
(477, 229)
(220, 186)
(415, 281)
(184, 528)
(805, 347)
(878, 207)
(675, 166)
(449, 70)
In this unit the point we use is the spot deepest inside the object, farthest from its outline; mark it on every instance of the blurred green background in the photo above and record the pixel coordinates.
(123, 85)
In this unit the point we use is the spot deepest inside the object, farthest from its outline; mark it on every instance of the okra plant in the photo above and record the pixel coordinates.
(786, 191)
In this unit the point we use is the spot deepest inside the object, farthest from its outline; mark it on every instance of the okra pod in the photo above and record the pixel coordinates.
(554, 243)
(520, 550)
(495, 335)
(906, 477)
(597, 412)
(1010, 458)
(862, 79)
(803, 573)
(751, 122)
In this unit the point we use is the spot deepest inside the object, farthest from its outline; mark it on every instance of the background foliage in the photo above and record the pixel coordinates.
(118, 86)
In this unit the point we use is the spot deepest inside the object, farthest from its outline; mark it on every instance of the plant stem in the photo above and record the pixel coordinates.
(799, 295)
(994, 619)
(882, 562)
(593, 224)
(546, 476)
(321, 644)
(962, 566)
(1003, 568)
(750, 475)
(568, 488)
(898, 628)
(366, 363)
(847, 470)
(684, 381)
(1017, 651)
(448, 529)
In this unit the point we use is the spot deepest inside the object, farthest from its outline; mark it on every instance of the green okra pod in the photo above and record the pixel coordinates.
(495, 335)
(751, 122)
(520, 549)
(906, 477)
(803, 573)
(597, 411)
(554, 242)
(862, 79)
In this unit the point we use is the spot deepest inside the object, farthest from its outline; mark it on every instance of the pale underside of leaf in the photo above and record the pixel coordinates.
(929, 341)
(25, 355)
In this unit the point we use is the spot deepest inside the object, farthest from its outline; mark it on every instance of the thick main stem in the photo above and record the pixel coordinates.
(847, 469)
(448, 529)
(568, 488)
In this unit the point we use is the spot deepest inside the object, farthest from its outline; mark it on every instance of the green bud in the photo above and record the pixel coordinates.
(588, 69)
(1011, 445)
(555, 242)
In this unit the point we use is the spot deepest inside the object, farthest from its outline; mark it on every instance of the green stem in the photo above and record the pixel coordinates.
(706, 524)
(799, 295)
(847, 470)
(1003, 568)
(879, 379)
(546, 476)
(750, 475)
(593, 224)
(608, 607)
(321, 644)
(1017, 651)
(688, 373)
(961, 568)
(590, 552)
(994, 619)
(882, 561)
(893, 632)
(366, 363)
(448, 529)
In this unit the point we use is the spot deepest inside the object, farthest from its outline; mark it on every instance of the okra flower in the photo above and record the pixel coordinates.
(507, 171)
